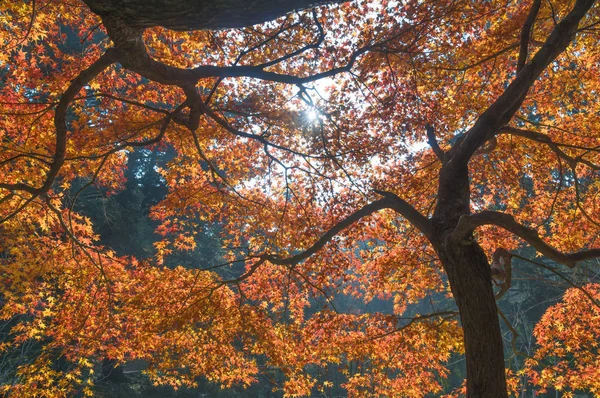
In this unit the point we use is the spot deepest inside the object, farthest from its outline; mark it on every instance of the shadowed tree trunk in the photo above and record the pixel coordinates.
(469, 275)
(470, 278)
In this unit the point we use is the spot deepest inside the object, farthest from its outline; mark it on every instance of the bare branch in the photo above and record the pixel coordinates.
(515, 335)
(468, 223)
(561, 276)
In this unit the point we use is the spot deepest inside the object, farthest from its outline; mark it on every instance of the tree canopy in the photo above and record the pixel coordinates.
(403, 151)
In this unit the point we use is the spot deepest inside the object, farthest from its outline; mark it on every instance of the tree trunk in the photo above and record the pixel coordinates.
(198, 14)
(470, 280)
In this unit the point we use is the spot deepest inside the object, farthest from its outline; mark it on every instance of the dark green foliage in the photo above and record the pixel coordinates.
(122, 220)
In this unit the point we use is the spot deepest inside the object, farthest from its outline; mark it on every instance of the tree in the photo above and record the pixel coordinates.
(304, 137)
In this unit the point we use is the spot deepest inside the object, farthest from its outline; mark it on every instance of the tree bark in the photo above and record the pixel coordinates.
(198, 14)
(470, 279)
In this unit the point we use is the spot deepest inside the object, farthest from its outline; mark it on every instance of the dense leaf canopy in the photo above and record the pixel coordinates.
(354, 152)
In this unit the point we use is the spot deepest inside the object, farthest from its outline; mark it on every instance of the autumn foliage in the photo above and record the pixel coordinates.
(355, 152)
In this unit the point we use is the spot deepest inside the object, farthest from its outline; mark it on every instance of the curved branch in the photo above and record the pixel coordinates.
(60, 114)
(312, 45)
(407, 211)
(571, 161)
(561, 276)
(389, 201)
(60, 124)
(132, 54)
(432, 141)
(468, 223)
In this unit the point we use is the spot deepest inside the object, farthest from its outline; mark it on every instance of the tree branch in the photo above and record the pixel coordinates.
(432, 141)
(561, 276)
(134, 56)
(503, 109)
(19, 186)
(60, 124)
(468, 223)
(186, 15)
(258, 137)
(539, 137)
(480, 61)
(389, 201)
(526, 34)
(60, 115)
(407, 211)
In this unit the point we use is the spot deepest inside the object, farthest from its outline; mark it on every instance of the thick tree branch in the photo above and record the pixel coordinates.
(389, 201)
(407, 211)
(502, 110)
(19, 187)
(526, 34)
(132, 54)
(198, 14)
(364, 211)
(468, 223)
(571, 161)
(60, 114)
